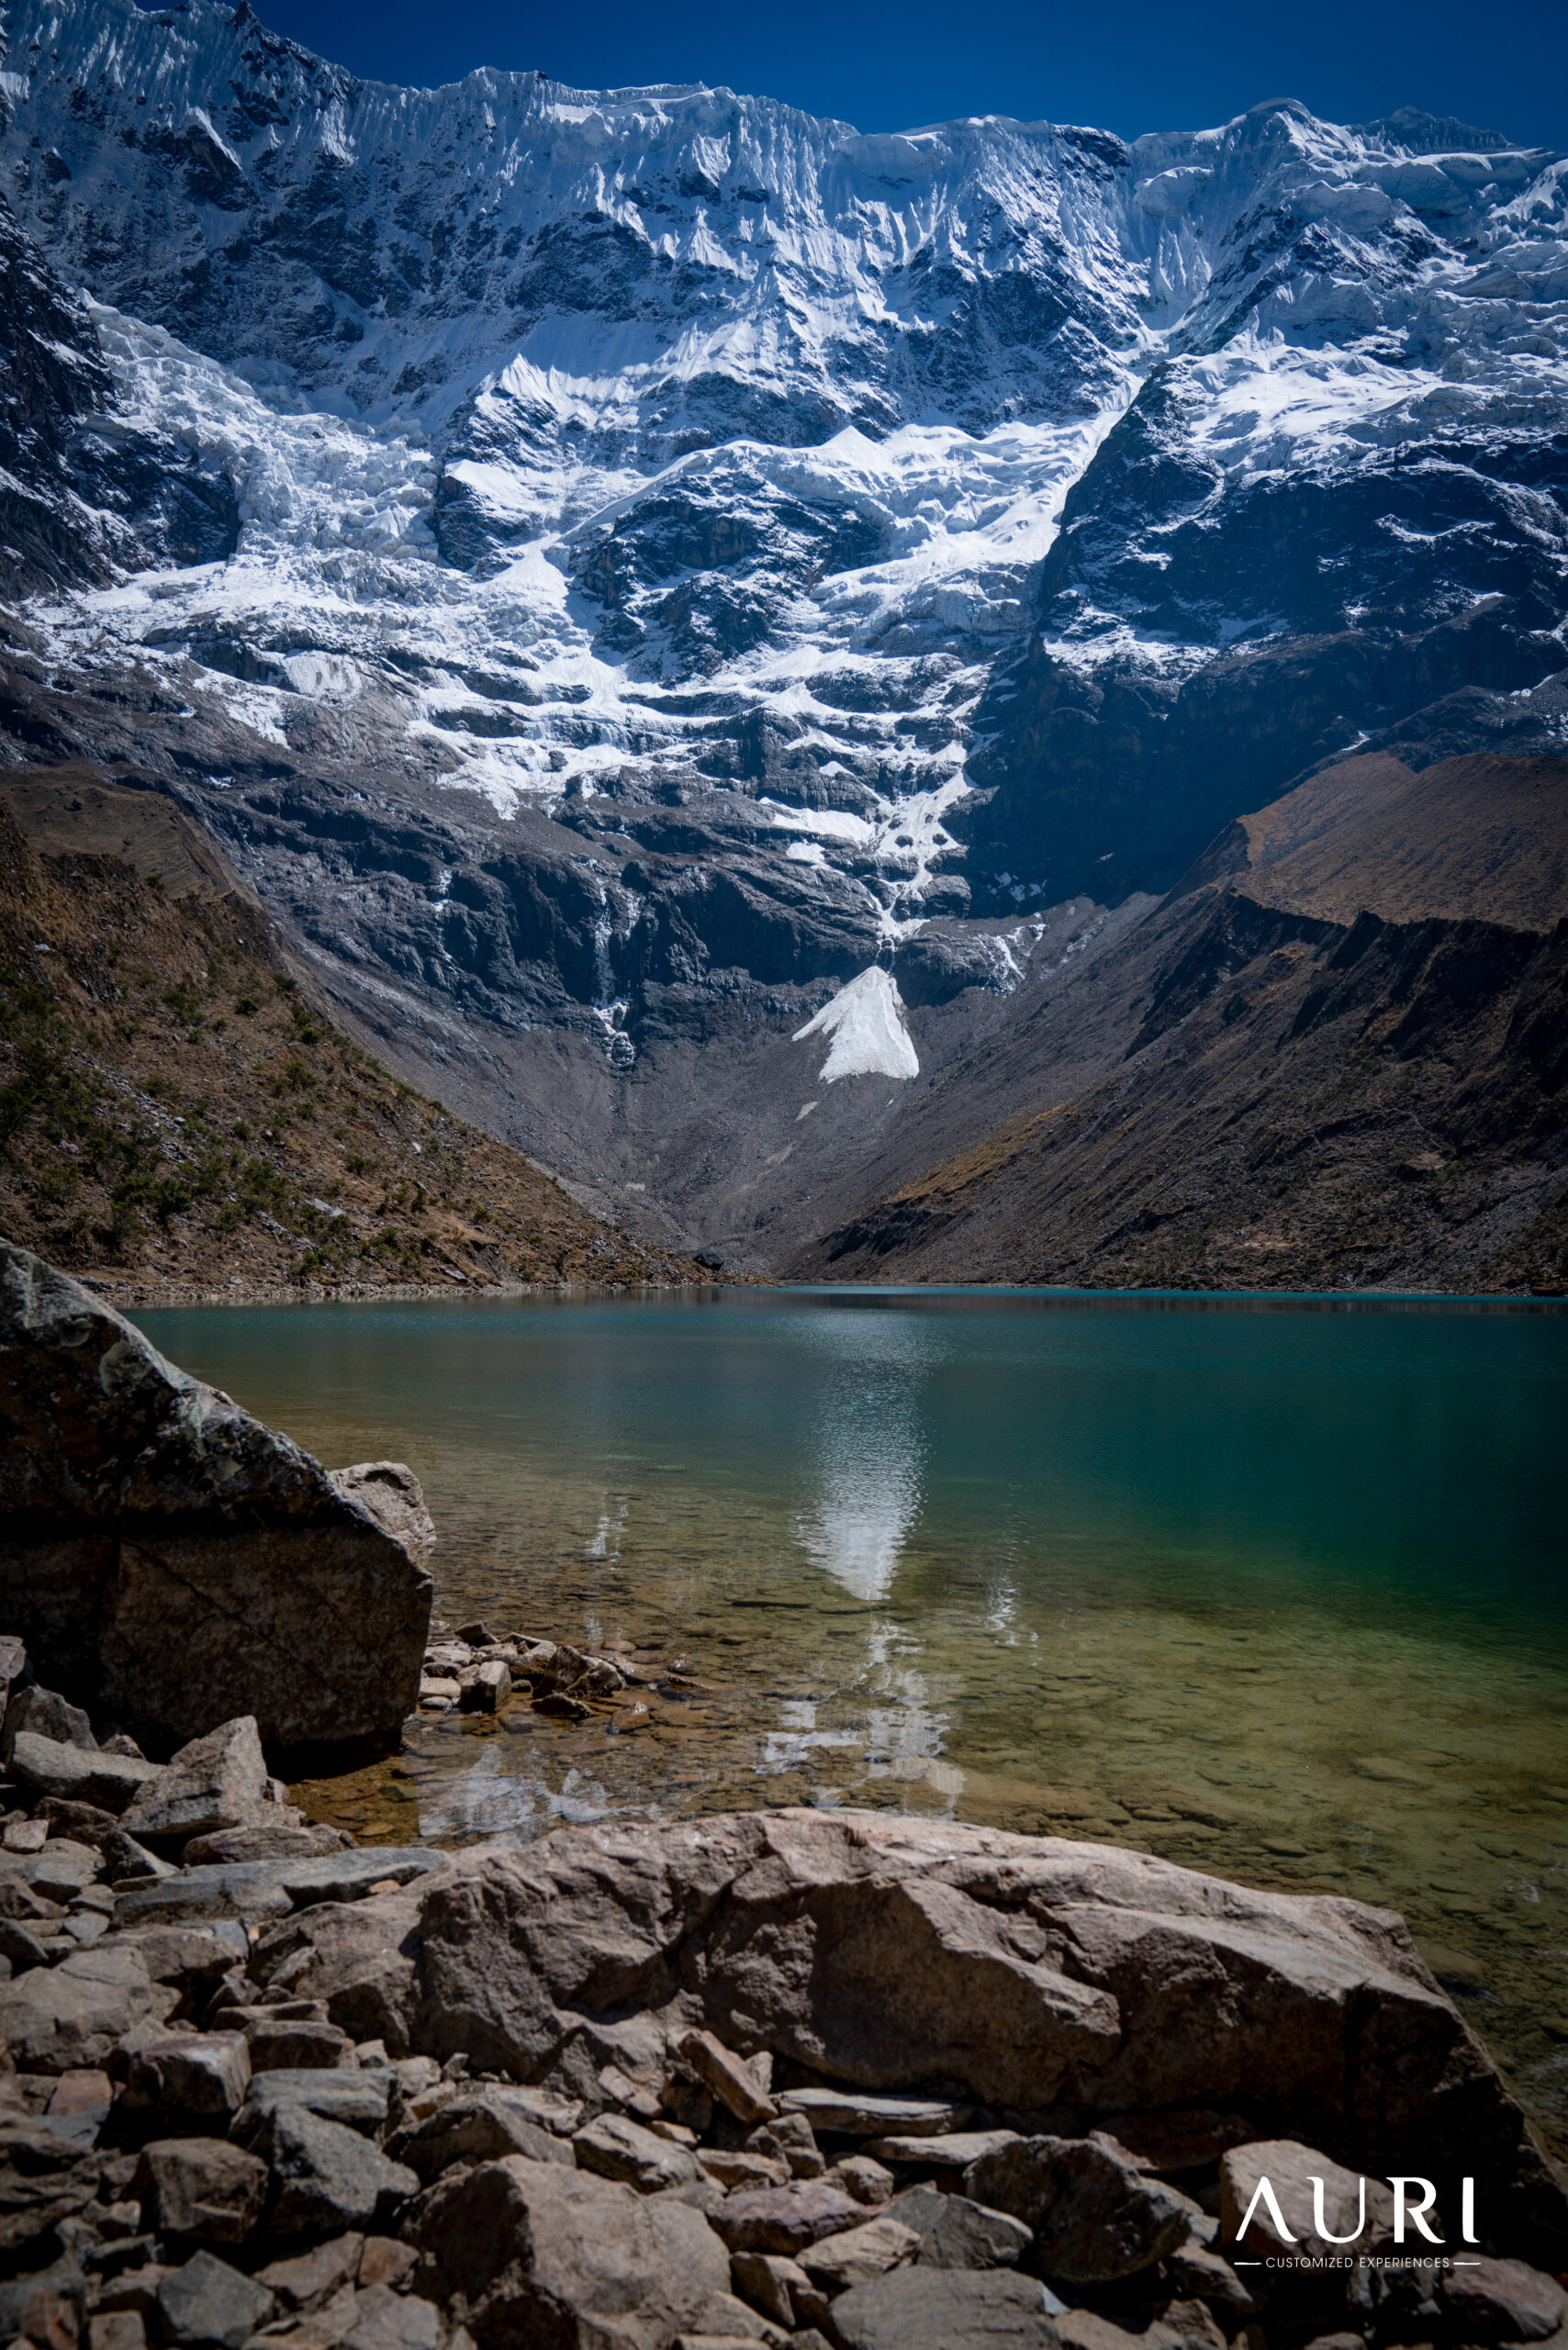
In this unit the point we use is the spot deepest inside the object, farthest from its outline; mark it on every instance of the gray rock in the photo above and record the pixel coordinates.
(48, 2309)
(207, 2305)
(202, 2187)
(383, 2320)
(919, 2309)
(330, 2178)
(1095, 2216)
(266, 1841)
(957, 2234)
(1291, 2169)
(124, 1857)
(108, 1781)
(367, 2101)
(857, 2255)
(60, 1870)
(1503, 2300)
(280, 2044)
(394, 1497)
(47, 1715)
(481, 2128)
(950, 2150)
(218, 1780)
(617, 2147)
(306, 2280)
(204, 2073)
(785, 2218)
(531, 2251)
(874, 2117)
(849, 1945)
(484, 1688)
(172, 1559)
(60, 2019)
(257, 1890)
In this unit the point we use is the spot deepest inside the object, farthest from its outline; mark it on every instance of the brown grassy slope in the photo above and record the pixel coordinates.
(174, 1106)
(1308, 1095)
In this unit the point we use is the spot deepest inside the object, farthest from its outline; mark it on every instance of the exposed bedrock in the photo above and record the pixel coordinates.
(172, 1561)
(1061, 1985)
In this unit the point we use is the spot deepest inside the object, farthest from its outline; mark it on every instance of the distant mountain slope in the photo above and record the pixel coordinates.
(613, 568)
(1320, 1066)
(175, 1105)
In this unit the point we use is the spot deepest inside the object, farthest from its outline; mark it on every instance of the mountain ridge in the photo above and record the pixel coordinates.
(614, 569)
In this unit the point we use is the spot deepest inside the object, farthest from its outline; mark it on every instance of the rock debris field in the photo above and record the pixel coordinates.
(806, 2075)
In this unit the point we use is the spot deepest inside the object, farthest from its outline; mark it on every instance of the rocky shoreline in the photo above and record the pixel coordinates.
(847, 2080)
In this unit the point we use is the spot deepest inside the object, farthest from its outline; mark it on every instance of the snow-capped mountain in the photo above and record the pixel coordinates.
(633, 562)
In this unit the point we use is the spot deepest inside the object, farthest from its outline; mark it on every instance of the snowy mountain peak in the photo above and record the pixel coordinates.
(833, 544)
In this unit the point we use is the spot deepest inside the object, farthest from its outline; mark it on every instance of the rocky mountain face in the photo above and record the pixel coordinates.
(180, 1114)
(615, 569)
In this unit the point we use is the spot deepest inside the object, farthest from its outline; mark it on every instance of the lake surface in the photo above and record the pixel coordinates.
(1271, 1587)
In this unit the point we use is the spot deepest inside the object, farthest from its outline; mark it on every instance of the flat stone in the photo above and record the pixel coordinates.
(957, 2233)
(218, 1780)
(256, 1890)
(1095, 2217)
(278, 2043)
(204, 2073)
(534, 2252)
(742, 2168)
(953, 2150)
(266, 1841)
(1503, 2300)
(483, 2126)
(203, 2187)
(330, 2178)
(110, 1782)
(785, 2218)
(1290, 2169)
(873, 2117)
(616, 2147)
(207, 2305)
(366, 2100)
(858, 2254)
(923, 2309)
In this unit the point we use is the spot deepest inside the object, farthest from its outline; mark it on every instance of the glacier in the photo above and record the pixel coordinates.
(635, 564)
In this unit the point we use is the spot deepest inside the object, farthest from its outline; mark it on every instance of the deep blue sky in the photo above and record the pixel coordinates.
(1125, 65)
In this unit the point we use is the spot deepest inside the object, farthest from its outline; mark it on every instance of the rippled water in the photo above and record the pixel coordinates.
(1271, 1587)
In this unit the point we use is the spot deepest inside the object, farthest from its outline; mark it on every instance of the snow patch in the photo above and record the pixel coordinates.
(866, 1023)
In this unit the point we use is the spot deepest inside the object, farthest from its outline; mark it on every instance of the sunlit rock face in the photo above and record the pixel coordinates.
(630, 562)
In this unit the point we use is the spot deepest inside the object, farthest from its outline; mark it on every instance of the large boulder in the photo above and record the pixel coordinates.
(1057, 1983)
(172, 1561)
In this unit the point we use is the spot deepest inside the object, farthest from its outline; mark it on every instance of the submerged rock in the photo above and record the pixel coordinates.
(169, 1558)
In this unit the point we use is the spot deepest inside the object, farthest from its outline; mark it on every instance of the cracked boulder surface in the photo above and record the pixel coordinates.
(1060, 1985)
(172, 1559)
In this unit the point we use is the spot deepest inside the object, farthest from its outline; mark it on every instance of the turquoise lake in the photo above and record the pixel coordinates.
(1274, 1587)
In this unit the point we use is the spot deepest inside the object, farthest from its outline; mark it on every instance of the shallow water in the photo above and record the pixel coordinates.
(1271, 1587)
